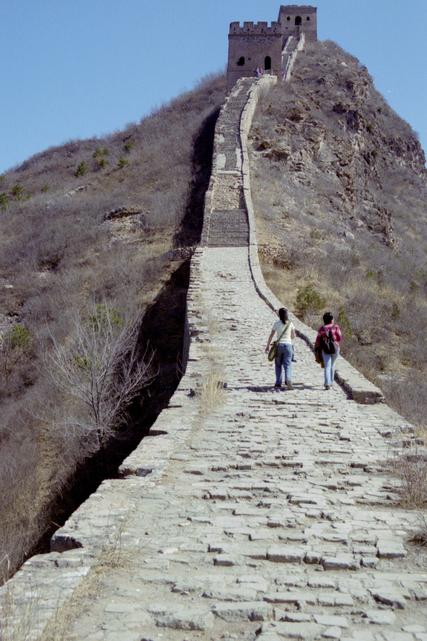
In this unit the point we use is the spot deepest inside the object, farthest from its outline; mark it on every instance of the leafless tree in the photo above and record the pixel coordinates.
(103, 368)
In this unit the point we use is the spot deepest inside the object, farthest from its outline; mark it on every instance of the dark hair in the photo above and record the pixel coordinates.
(283, 315)
(328, 317)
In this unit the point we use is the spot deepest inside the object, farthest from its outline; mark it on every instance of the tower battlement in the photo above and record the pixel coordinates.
(256, 47)
(255, 28)
(295, 9)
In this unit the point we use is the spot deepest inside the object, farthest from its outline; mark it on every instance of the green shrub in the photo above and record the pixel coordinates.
(19, 337)
(355, 260)
(122, 162)
(82, 362)
(316, 234)
(81, 169)
(395, 311)
(45, 188)
(105, 314)
(128, 146)
(4, 200)
(17, 191)
(100, 152)
(308, 300)
(102, 163)
(344, 322)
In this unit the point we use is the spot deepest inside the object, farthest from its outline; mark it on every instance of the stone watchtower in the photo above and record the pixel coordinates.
(297, 19)
(256, 48)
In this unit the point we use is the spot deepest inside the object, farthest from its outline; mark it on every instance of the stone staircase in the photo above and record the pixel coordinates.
(248, 514)
(229, 228)
(226, 223)
(290, 52)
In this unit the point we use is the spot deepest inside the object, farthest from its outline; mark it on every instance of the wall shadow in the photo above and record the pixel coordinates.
(190, 230)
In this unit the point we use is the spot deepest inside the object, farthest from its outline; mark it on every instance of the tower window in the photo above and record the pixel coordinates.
(288, 18)
(308, 17)
(241, 61)
(298, 20)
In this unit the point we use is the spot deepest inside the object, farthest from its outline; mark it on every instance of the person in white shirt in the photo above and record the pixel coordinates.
(285, 333)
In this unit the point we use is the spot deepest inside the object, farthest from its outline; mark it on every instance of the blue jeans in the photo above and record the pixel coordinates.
(283, 359)
(329, 363)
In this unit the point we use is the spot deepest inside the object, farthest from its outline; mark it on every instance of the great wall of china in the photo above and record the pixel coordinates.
(267, 515)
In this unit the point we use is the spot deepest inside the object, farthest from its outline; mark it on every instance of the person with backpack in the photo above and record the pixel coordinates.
(285, 333)
(327, 347)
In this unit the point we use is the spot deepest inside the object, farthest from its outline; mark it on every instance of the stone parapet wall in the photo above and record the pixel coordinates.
(254, 27)
(290, 53)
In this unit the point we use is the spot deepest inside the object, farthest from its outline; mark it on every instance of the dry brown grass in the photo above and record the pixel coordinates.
(421, 433)
(420, 536)
(212, 393)
(411, 470)
(18, 619)
(111, 557)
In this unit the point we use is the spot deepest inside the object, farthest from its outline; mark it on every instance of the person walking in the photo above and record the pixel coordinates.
(285, 332)
(327, 347)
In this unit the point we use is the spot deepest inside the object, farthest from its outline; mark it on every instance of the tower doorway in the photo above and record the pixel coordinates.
(267, 63)
(298, 21)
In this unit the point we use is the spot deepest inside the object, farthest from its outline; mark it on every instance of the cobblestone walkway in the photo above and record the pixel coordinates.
(274, 519)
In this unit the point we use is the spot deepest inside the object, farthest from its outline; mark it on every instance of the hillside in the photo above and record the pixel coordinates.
(95, 237)
(339, 186)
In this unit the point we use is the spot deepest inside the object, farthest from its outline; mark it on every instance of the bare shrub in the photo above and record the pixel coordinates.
(411, 470)
(409, 396)
(101, 367)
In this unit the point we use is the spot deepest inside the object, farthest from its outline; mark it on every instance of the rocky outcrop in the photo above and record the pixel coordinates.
(339, 144)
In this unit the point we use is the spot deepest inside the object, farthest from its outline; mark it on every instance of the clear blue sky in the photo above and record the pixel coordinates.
(77, 68)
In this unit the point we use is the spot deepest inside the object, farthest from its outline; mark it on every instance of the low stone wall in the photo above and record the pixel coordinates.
(290, 53)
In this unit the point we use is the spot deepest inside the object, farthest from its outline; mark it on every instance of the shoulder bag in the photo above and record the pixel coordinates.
(272, 352)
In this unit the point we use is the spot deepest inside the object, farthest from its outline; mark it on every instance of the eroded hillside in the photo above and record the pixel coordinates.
(91, 233)
(338, 181)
